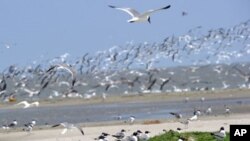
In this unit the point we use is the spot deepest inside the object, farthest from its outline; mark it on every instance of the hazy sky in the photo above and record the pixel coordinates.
(42, 29)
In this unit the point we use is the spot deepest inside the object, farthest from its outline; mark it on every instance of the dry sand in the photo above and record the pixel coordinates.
(204, 124)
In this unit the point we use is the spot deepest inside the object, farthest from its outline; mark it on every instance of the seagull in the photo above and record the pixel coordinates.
(194, 117)
(67, 126)
(131, 119)
(209, 110)
(120, 135)
(182, 139)
(227, 110)
(64, 67)
(178, 130)
(177, 115)
(29, 126)
(28, 105)
(133, 137)
(11, 125)
(102, 137)
(136, 16)
(220, 135)
(145, 136)
(197, 112)
(5, 127)
(31, 92)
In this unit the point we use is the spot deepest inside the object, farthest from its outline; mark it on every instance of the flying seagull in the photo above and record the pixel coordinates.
(64, 67)
(28, 105)
(136, 16)
(67, 126)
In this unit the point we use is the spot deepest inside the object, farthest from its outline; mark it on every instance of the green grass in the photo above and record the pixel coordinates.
(190, 136)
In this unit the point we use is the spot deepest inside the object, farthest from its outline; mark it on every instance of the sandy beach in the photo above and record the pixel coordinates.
(203, 124)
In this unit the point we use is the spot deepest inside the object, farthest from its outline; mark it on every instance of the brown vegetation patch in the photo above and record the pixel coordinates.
(151, 122)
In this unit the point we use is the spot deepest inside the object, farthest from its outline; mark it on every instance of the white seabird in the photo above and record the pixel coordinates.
(11, 125)
(194, 117)
(136, 16)
(177, 115)
(220, 135)
(145, 136)
(131, 119)
(209, 110)
(68, 126)
(120, 135)
(133, 137)
(29, 126)
(28, 105)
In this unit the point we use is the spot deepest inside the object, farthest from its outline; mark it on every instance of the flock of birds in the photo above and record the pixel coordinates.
(134, 67)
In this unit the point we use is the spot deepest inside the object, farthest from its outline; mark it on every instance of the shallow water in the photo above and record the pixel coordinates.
(108, 112)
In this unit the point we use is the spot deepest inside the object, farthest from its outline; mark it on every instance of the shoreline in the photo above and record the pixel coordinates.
(209, 124)
(163, 97)
(155, 126)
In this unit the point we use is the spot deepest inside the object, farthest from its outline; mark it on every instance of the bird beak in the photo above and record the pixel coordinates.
(149, 20)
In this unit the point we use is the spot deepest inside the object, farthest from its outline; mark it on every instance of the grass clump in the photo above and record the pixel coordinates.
(189, 136)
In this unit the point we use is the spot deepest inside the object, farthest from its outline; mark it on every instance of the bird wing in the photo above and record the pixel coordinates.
(80, 129)
(130, 11)
(35, 103)
(154, 10)
(27, 90)
(64, 131)
(55, 125)
(25, 103)
(68, 68)
(193, 117)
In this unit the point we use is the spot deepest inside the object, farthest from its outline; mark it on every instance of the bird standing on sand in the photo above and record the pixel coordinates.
(29, 126)
(133, 137)
(220, 135)
(145, 136)
(131, 120)
(11, 125)
(209, 110)
(136, 16)
(227, 110)
(120, 135)
(194, 117)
